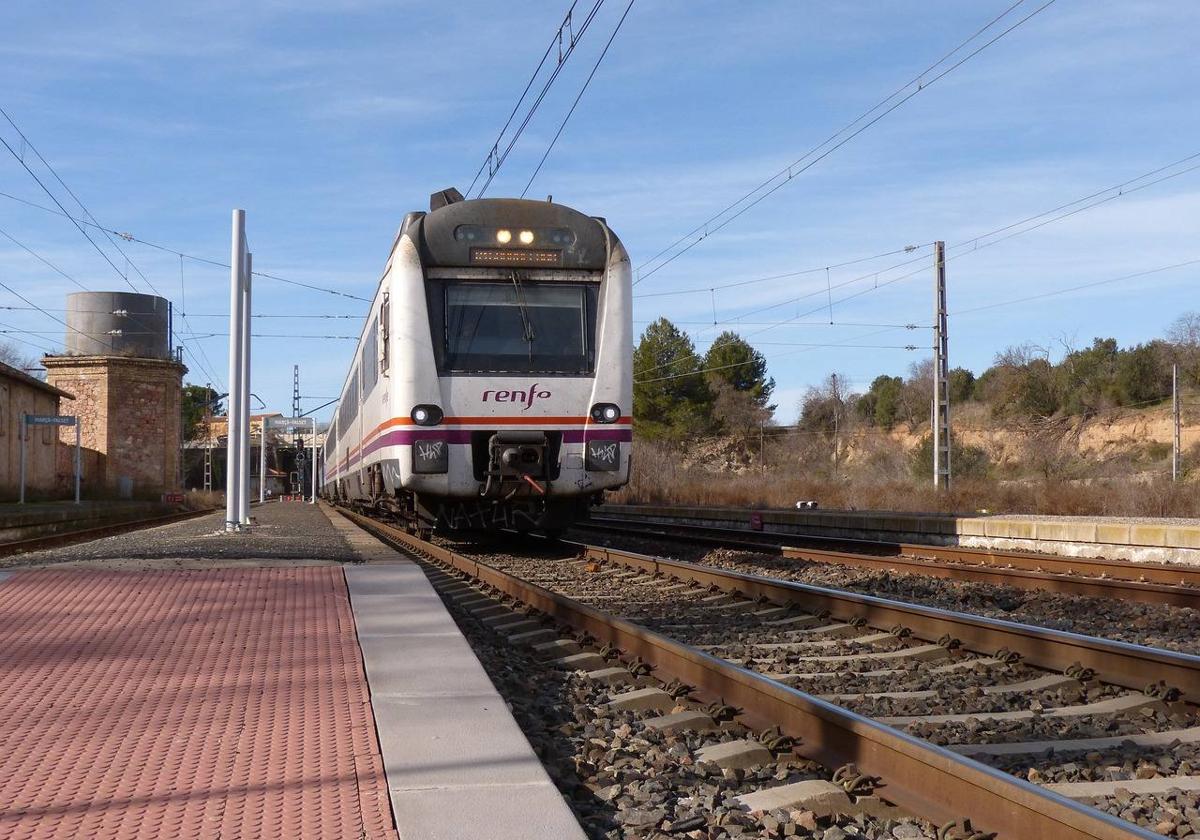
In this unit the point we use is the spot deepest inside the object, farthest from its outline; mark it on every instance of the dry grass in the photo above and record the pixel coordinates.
(203, 500)
(658, 478)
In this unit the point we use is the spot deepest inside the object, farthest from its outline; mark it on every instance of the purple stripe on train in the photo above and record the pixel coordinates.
(405, 437)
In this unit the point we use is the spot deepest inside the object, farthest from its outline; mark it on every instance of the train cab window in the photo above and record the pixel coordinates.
(519, 326)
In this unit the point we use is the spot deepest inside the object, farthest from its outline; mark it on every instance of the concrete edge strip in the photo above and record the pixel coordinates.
(555, 818)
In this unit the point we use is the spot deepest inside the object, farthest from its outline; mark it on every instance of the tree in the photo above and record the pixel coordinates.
(966, 461)
(13, 357)
(731, 359)
(916, 398)
(880, 406)
(1086, 377)
(198, 399)
(823, 415)
(1184, 335)
(1143, 375)
(671, 398)
(962, 385)
(1021, 384)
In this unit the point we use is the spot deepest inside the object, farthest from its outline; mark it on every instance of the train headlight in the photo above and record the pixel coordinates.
(605, 413)
(503, 236)
(426, 415)
(526, 237)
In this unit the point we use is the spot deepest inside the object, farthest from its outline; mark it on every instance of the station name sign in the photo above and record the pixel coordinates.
(49, 420)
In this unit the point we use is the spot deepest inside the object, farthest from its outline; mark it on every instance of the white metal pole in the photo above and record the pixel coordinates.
(262, 462)
(244, 512)
(313, 467)
(78, 460)
(21, 443)
(233, 412)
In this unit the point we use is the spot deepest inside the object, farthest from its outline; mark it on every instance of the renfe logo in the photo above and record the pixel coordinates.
(526, 397)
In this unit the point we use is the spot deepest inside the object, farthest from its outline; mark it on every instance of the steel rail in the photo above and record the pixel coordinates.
(82, 535)
(1127, 665)
(922, 778)
(907, 558)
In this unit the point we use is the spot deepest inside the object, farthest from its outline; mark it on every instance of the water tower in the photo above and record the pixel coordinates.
(128, 389)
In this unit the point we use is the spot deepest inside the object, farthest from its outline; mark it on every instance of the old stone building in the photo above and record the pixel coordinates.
(22, 394)
(131, 420)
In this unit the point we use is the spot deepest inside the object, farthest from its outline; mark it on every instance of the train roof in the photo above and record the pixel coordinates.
(435, 232)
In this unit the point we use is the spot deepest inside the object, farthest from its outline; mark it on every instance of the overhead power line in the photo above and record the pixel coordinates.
(815, 155)
(1081, 286)
(802, 349)
(495, 157)
(54, 198)
(579, 96)
(128, 237)
(907, 249)
(78, 201)
(42, 260)
(975, 243)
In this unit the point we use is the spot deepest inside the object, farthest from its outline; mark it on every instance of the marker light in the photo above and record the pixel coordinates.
(503, 236)
(605, 413)
(526, 237)
(426, 415)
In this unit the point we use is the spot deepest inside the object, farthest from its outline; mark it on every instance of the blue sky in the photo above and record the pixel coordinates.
(329, 121)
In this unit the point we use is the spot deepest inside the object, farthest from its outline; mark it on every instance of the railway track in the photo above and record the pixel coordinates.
(885, 667)
(1149, 583)
(82, 535)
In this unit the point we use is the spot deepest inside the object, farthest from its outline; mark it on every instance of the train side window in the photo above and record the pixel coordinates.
(370, 355)
(385, 331)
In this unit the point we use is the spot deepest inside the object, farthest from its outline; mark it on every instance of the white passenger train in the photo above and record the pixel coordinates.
(492, 384)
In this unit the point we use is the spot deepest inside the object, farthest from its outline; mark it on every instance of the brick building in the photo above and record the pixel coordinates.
(22, 394)
(130, 410)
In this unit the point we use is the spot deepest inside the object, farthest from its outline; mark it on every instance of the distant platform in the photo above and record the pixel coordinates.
(184, 682)
(1137, 539)
(40, 519)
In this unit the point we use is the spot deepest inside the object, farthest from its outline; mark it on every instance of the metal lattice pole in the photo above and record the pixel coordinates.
(1175, 453)
(941, 373)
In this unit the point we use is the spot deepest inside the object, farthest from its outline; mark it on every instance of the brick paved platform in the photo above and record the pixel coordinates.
(221, 703)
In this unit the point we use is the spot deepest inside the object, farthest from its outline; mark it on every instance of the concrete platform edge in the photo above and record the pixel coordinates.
(457, 764)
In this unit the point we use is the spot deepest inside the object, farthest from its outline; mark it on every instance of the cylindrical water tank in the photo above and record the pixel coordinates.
(118, 324)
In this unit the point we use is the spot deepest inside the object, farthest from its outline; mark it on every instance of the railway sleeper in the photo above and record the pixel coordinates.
(1190, 735)
(1048, 682)
(1107, 706)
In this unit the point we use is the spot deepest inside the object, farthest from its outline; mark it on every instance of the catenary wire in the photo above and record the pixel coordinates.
(791, 171)
(500, 158)
(556, 39)
(128, 237)
(578, 97)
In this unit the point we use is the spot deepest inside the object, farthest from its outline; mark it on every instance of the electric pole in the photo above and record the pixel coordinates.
(1175, 453)
(941, 372)
(298, 440)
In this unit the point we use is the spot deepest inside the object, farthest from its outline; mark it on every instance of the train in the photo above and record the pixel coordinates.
(492, 385)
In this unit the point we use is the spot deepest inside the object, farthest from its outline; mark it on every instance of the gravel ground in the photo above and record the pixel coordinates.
(1173, 815)
(685, 615)
(626, 781)
(282, 531)
(1171, 628)
(1123, 762)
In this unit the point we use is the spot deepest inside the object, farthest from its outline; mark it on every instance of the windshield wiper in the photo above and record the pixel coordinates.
(526, 324)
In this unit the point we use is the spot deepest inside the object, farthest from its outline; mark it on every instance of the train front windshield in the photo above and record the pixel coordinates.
(519, 327)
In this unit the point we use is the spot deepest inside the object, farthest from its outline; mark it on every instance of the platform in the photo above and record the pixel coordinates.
(205, 686)
(1136, 539)
(41, 519)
